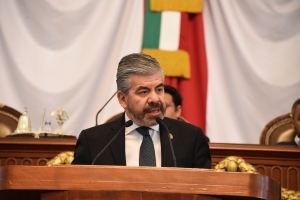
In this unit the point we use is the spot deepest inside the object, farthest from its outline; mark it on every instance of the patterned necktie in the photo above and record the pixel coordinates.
(147, 153)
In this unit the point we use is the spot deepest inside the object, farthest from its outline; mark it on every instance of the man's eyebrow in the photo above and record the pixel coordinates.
(160, 85)
(147, 88)
(142, 88)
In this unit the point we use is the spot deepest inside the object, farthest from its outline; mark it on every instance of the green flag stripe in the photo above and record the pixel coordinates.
(151, 28)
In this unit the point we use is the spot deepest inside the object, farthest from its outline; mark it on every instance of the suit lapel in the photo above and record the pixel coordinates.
(166, 154)
(117, 147)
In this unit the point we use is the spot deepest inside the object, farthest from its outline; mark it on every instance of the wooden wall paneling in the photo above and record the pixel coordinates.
(31, 151)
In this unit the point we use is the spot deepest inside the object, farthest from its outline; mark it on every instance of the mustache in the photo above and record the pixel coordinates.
(153, 105)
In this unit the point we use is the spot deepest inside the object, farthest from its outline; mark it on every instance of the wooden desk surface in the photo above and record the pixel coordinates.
(142, 180)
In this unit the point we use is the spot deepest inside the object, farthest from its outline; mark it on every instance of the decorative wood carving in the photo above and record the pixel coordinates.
(279, 162)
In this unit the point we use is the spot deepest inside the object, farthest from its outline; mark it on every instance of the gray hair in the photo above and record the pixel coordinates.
(136, 63)
(296, 103)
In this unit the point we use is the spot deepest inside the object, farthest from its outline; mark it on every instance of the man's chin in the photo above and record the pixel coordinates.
(152, 120)
(148, 121)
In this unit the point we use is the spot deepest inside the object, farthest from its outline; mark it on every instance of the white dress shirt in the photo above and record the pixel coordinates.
(297, 140)
(133, 141)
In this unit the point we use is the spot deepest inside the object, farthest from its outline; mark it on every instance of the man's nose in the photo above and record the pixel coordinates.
(153, 97)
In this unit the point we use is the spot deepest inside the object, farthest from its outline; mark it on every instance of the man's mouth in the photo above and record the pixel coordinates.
(153, 108)
(154, 111)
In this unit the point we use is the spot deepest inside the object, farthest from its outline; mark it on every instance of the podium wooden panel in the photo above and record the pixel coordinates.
(113, 182)
(279, 162)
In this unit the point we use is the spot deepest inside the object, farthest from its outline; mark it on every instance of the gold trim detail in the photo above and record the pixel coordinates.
(9, 115)
(189, 6)
(174, 63)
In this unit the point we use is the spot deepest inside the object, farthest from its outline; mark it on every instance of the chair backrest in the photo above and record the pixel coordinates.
(277, 130)
(114, 117)
(9, 119)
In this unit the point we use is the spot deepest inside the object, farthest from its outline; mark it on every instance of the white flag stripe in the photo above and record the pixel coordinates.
(169, 30)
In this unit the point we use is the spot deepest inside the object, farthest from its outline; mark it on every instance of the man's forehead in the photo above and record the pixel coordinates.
(143, 80)
(169, 99)
(148, 86)
(297, 110)
(157, 73)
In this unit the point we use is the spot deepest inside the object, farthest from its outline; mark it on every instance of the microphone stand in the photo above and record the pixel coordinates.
(127, 124)
(104, 106)
(159, 120)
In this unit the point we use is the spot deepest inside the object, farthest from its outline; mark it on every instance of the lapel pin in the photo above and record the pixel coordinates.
(171, 136)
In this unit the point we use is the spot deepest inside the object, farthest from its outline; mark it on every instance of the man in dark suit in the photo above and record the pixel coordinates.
(173, 101)
(140, 85)
(295, 125)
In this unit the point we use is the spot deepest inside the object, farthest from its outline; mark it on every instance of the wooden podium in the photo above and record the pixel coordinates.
(65, 182)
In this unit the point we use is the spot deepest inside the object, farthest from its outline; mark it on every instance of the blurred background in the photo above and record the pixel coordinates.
(241, 67)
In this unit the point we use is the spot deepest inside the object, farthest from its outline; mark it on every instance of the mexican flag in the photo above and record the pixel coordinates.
(173, 34)
(235, 63)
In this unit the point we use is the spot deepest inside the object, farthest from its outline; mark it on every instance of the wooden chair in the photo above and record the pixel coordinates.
(9, 119)
(277, 130)
(114, 117)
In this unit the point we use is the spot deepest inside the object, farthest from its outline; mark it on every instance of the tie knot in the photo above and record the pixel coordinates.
(143, 130)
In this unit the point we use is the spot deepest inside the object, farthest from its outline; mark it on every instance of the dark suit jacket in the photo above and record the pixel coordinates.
(189, 143)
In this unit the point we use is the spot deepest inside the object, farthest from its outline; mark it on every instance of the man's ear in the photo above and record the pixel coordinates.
(178, 111)
(122, 99)
(292, 122)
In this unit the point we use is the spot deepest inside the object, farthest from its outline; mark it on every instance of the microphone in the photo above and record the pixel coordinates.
(104, 106)
(159, 121)
(127, 124)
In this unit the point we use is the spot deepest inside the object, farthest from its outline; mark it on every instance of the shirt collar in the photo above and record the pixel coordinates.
(134, 126)
(297, 140)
